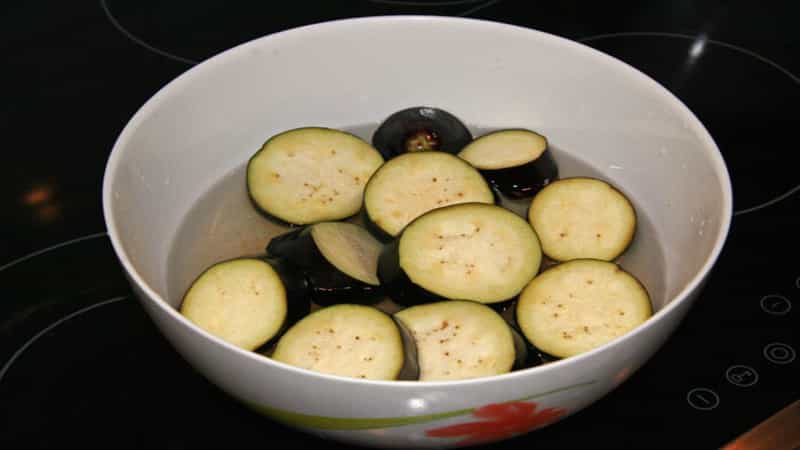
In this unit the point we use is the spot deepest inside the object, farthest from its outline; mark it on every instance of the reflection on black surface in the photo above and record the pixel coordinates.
(746, 102)
(43, 203)
(38, 195)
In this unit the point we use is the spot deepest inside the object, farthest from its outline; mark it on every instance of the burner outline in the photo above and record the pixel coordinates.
(51, 248)
(418, 3)
(51, 327)
(138, 41)
(734, 47)
(482, 4)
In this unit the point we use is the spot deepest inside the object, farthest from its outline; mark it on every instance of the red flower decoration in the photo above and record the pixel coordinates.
(502, 420)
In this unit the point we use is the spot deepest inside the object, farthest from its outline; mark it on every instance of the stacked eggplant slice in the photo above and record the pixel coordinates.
(399, 261)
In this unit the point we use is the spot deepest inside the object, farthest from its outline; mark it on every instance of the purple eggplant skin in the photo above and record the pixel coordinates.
(420, 128)
(376, 231)
(528, 355)
(399, 287)
(298, 299)
(525, 180)
(410, 370)
(396, 283)
(327, 285)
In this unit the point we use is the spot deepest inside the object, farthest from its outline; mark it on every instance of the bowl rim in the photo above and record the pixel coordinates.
(341, 25)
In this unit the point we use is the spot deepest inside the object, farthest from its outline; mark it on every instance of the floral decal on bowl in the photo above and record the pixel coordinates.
(499, 421)
(496, 420)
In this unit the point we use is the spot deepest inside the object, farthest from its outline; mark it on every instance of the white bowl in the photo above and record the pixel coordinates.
(603, 118)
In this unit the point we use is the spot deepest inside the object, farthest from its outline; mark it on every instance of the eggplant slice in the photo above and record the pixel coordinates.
(245, 301)
(338, 259)
(456, 340)
(421, 128)
(312, 174)
(582, 218)
(579, 305)
(349, 340)
(409, 185)
(471, 251)
(516, 162)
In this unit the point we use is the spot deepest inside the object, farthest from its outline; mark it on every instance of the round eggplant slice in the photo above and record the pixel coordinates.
(471, 251)
(312, 174)
(418, 129)
(579, 305)
(338, 259)
(348, 340)
(245, 301)
(456, 340)
(582, 218)
(516, 162)
(409, 185)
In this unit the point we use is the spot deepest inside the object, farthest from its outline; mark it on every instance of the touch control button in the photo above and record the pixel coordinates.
(779, 353)
(742, 376)
(776, 305)
(703, 399)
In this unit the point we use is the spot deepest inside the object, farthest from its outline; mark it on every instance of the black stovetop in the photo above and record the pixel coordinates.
(81, 364)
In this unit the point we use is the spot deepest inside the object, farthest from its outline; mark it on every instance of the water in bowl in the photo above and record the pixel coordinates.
(222, 224)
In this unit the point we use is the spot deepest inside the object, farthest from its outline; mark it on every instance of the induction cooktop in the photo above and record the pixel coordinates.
(81, 364)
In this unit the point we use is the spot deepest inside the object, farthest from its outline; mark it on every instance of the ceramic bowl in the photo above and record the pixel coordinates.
(174, 201)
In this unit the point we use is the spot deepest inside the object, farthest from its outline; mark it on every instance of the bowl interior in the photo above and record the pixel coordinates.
(174, 189)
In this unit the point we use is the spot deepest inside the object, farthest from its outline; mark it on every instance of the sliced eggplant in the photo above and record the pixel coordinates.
(338, 259)
(516, 162)
(456, 340)
(349, 340)
(470, 251)
(312, 174)
(579, 305)
(245, 301)
(411, 184)
(582, 218)
(418, 129)
(533, 356)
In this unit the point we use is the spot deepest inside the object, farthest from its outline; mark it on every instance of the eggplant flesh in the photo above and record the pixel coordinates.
(410, 185)
(582, 217)
(420, 128)
(247, 302)
(404, 292)
(461, 339)
(579, 305)
(468, 251)
(311, 174)
(327, 284)
(348, 340)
